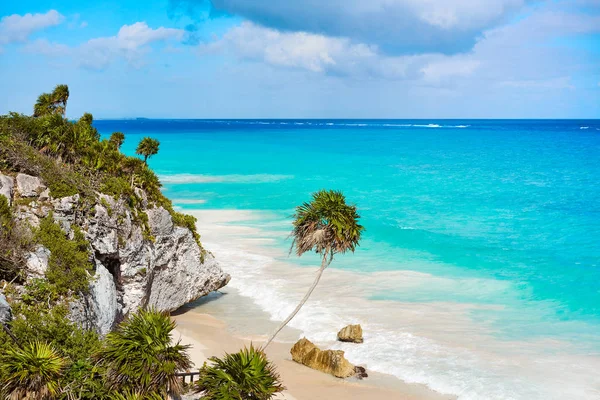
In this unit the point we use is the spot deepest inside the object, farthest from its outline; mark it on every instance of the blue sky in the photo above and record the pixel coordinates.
(305, 58)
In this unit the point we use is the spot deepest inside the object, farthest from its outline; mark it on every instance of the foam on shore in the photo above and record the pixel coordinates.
(435, 343)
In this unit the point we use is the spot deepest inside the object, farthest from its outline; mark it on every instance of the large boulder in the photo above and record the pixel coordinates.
(329, 361)
(351, 333)
(6, 187)
(29, 186)
(37, 261)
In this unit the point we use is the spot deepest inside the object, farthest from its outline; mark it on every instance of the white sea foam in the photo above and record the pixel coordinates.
(584, 127)
(188, 201)
(199, 178)
(436, 344)
(428, 126)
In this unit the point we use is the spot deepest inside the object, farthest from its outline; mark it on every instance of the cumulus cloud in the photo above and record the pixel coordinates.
(18, 28)
(130, 43)
(47, 48)
(331, 55)
(396, 26)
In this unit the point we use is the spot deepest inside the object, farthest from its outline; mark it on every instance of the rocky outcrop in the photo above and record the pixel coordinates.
(165, 270)
(5, 311)
(351, 333)
(329, 361)
(29, 186)
(37, 261)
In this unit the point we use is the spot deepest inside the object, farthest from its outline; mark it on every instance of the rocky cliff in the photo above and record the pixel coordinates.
(154, 263)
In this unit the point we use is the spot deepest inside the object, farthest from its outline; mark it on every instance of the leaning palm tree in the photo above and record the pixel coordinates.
(60, 95)
(327, 226)
(140, 357)
(43, 105)
(147, 148)
(33, 372)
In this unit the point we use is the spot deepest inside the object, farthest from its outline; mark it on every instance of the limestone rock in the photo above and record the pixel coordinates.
(351, 333)
(5, 311)
(6, 187)
(29, 186)
(103, 296)
(130, 271)
(329, 361)
(360, 372)
(179, 275)
(37, 261)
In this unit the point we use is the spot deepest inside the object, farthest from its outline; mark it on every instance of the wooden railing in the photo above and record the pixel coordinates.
(185, 375)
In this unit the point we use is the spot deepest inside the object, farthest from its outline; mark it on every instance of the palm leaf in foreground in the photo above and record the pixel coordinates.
(245, 375)
(139, 356)
(33, 372)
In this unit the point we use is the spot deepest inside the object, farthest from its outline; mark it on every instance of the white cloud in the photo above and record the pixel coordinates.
(17, 28)
(334, 56)
(130, 43)
(47, 48)
(396, 26)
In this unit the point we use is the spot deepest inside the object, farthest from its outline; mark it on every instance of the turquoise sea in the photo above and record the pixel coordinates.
(479, 272)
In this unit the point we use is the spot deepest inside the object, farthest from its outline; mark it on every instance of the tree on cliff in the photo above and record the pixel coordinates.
(52, 103)
(117, 139)
(327, 226)
(147, 148)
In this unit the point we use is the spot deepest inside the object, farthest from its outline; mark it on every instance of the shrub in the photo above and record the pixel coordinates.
(139, 355)
(69, 267)
(245, 375)
(43, 315)
(33, 372)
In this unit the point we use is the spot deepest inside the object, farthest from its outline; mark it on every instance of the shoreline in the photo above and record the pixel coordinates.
(228, 320)
(209, 336)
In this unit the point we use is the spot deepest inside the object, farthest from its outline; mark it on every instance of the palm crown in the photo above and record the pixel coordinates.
(140, 356)
(147, 148)
(326, 225)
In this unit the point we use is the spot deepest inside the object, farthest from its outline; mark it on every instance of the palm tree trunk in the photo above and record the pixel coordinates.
(324, 264)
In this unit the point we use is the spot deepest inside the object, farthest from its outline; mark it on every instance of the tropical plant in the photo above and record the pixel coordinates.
(52, 103)
(245, 375)
(117, 139)
(147, 148)
(139, 356)
(60, 95)
(33, 372)
(327, 226)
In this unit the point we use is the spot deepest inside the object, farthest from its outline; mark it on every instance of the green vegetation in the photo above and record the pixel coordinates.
(245, 375)
(12, 245)
(63, 361)
(43, 354)
(327, 226)
(147, 148)
(140, 357)
(32, 372)
(71, 158)
(69, 268)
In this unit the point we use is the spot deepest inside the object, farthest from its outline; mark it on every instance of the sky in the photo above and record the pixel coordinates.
(427, 59)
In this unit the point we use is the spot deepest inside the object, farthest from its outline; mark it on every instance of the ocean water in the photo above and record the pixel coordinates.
(479, 271)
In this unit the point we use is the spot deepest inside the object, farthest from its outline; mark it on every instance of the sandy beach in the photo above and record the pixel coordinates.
(241, 322)
(209, 337)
